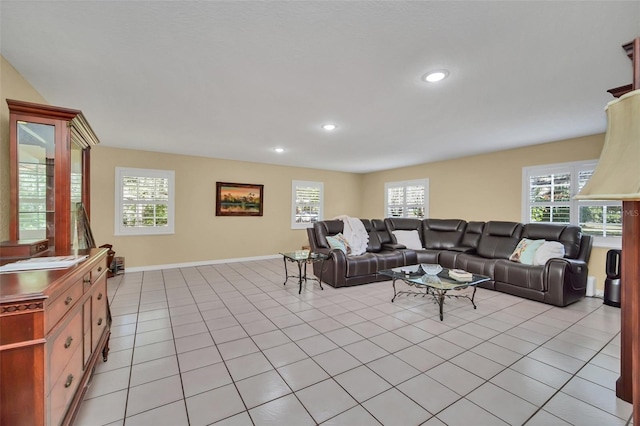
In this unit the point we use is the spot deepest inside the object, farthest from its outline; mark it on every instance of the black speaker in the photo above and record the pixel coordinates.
(612, 283)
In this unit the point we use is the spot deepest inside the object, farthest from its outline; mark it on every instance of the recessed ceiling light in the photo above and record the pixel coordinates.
(435, 76)
(279, 150)
(329, 127)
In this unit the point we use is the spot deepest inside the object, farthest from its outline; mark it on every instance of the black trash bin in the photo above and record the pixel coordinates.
(612, 283)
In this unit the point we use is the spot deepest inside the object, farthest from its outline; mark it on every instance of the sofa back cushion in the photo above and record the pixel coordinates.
(381, 231)
(499, 239)
(568, 235)
(472, 234)
(403, 224)
(442, 234)
(373, 245)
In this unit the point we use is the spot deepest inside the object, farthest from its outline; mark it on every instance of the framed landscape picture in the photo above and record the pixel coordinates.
(238, 199)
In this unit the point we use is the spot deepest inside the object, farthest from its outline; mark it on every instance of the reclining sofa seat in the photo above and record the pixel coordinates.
(341, 270)
(468, 244)
(442, 239)
(478, 247)
(541, 283)
(498, 241)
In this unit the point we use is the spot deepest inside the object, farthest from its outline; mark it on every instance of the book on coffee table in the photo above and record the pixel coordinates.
(460, 275)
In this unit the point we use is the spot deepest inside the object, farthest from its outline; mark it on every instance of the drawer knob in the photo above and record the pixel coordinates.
(86, 280)
(100, 321)
(69, 380)
(100, 296)
(100, 269)
(68, 342)
(68, 300)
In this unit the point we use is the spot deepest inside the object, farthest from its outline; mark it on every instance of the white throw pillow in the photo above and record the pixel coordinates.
(548, 250)
(409, 239)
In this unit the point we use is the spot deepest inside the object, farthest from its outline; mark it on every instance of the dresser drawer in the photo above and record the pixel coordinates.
(98, 312)
(64, 346)
(59, 307)
(64, 388)
(98, 270)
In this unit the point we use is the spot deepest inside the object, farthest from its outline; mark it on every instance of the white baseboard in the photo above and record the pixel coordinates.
(200, 263)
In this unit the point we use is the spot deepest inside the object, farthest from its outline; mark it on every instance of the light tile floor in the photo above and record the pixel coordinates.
(230, 345)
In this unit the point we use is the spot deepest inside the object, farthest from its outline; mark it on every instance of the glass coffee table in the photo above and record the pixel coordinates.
(438, 285)
(303, 257)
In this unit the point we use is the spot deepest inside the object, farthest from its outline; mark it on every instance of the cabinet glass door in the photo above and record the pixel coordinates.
(79, 221)
(36, 183)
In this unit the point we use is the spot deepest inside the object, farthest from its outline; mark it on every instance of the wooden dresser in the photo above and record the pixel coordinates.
(54, 326)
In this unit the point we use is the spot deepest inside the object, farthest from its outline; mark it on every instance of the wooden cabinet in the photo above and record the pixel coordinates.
(23, 249)
(49, 171)
(54, 327)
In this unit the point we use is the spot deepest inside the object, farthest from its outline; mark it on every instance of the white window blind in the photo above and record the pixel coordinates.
(548, 193)
(407, 199)
(144, 201)
(306, 203)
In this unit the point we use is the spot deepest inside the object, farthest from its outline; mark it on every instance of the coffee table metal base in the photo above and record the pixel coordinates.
(438, 294)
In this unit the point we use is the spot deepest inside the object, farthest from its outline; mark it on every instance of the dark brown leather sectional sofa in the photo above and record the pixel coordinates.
(478, 247)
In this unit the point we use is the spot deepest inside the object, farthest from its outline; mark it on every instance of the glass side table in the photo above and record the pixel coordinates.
(302, 258)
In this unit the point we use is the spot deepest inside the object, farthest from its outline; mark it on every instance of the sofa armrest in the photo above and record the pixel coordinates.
(326, 251)
(334, 269)
(575, 266)
(393, 246)
(565, 281)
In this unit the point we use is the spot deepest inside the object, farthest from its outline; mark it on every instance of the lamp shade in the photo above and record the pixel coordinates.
(617, 176)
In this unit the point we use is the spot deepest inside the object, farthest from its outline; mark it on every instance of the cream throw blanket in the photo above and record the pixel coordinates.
(355, 234)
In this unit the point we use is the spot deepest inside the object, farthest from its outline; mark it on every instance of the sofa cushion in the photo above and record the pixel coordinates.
(402, 223)
(381, 230)
(475, 264)
(428, 256)
(409, 239)
(363, 264)
(442, 234)
(472, 234)
(525, 250)
(520, 275)
(387, 259)
(548, 250)
(373, 245)
(569, 235)
(499, 239)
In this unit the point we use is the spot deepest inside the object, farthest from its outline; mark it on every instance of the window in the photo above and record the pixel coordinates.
(407, 199)
(144, 201)
(306, 203)
(32, 188)
(548, 193)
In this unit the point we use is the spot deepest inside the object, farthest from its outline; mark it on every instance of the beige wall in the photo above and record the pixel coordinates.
(485, 187)
(12, 86)
(200, 235)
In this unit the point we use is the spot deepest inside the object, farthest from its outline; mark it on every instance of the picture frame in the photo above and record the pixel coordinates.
(239, 199)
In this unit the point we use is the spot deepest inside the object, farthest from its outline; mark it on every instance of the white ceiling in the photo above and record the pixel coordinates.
(234, 79)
